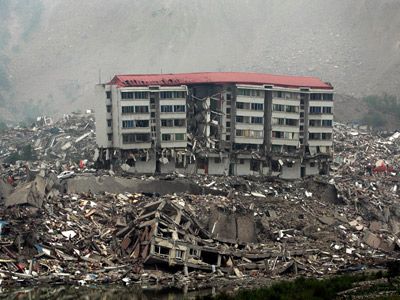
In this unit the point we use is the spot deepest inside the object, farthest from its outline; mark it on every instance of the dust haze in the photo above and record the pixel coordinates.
(52, 52)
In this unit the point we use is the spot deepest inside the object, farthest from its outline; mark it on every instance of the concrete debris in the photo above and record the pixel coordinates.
(61, 223)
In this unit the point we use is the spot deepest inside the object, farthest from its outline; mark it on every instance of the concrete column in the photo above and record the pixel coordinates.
(267, 121)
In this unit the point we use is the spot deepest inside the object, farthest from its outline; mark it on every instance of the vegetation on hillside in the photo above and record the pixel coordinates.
(316, 289)
(380, 108)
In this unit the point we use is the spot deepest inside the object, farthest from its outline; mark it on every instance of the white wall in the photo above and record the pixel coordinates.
(293, 172)
(218, 168)
(242, 169)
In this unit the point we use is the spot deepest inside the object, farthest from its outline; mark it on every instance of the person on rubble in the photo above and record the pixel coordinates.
(369, 169)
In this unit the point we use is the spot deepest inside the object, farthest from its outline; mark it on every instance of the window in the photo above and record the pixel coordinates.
(167, 123)
(291, 122)
(278, 121)
(315, 123)
(255, 165)
(314, 136)
(327, 123)
(291, 108)
(142, 137)
(278, 107)
(327, 110)
(128, 109)
(128, 138)
(217, 160)
(142, 123)
(279, 94)
(240, 105)
(276, 148)
(166, 95)
(141, 95)
(170, 95)
(244, 92)
(247, 92)
(179, 122)
(315, 96)
(108, 94)
(315, 110)
(178, 254)
(166, 108)
(108, 108)
(239, 119)
(179, 95)
(250, 133)
(326, 136)
(161, 250)
(179, 136)
(278, 134)
(241, 162)
(257, 120)
(228, 110)
(128, 124)
(141, 109)
(257, 106)
(328, 97)
(109, 136)
(127, 95)
(290, 135)
(166, 137)
(228, 124)
(179, 108)
(194, 252)
(228, 97)
(135, 138)
(109, 123)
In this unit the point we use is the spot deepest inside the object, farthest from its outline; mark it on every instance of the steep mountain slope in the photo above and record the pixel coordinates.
(52, 51)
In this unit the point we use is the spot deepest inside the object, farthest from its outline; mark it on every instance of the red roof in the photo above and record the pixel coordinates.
(218, 78)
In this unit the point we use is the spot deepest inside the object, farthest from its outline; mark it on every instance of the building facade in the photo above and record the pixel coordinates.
(216, 123)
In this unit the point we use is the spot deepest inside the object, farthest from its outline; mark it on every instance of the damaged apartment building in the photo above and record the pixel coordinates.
(221, 123)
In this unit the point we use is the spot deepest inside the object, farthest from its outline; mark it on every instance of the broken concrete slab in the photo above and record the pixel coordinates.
(371, 240)
(327, 220)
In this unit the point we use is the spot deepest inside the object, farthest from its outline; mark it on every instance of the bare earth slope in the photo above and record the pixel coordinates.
(51, 51)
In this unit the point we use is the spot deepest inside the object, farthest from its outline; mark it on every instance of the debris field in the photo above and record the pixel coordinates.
(64, 221)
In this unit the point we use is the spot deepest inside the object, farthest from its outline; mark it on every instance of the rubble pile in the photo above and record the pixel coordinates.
(201, 230)
(356, 148)
(61, 145)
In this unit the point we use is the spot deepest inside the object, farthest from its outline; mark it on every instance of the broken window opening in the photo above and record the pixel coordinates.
(130, 162)
(178, 254)
(255, 165)
(194, 252)
(210, 258)
(161, 250)
(275, 166)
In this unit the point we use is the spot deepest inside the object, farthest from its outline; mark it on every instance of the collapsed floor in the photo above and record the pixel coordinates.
(259, 228)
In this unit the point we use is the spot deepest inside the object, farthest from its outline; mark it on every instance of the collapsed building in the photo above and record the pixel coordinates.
(216, 123)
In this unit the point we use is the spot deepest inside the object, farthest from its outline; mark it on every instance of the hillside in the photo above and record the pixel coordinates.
(53, 51)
